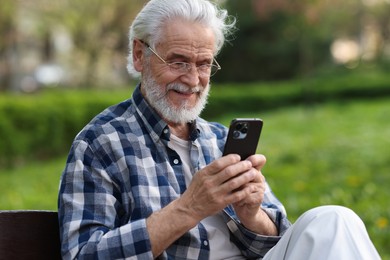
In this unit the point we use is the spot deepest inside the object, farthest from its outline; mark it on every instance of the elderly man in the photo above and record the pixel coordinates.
(146, 178)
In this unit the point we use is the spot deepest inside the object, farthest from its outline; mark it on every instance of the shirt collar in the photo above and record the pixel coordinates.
(153, 121)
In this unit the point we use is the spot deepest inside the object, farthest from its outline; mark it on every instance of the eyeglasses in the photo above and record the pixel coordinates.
(181, 68)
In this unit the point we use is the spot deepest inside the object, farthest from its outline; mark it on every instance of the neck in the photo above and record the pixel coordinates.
(180, 130)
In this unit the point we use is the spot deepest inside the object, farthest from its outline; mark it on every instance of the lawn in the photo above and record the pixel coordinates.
(335, 153)
(32, 186)
(330, 153)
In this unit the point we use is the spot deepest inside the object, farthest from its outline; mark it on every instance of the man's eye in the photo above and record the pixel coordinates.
(178, 65)
(204, 66)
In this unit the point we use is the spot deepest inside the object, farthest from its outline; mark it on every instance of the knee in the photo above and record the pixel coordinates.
(330, 210)
(328, 232)
(331, 214)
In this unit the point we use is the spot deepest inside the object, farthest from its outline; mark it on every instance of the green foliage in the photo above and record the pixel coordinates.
(43, 125)
(273, 42)
(337, 153)
(344, 85)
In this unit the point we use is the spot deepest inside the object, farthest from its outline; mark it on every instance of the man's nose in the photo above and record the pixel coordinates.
(192, 77)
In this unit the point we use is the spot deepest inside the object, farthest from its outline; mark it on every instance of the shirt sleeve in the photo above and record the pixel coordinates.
(90, 209)
(253, 245)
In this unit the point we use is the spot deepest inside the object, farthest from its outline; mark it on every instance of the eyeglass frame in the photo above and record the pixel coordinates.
(188, 66)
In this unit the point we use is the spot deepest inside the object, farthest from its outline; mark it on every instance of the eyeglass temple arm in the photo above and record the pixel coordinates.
(216, 62)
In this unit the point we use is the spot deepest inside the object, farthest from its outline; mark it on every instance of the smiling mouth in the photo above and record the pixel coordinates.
(187, 90)
(186, 93)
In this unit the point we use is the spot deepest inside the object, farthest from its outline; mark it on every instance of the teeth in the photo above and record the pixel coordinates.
(185, 90)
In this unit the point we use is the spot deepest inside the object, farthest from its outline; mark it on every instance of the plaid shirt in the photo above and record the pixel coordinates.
(120, 170)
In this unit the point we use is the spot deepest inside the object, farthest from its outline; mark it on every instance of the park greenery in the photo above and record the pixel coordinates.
(326, 141)
(326, 130)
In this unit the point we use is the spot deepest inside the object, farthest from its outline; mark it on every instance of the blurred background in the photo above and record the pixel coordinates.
(84, 43)
(316, 72)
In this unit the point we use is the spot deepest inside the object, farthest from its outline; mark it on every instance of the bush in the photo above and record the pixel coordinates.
(43, 125)
(343, 85)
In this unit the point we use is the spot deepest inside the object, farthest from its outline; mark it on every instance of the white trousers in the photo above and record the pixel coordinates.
(327, 232)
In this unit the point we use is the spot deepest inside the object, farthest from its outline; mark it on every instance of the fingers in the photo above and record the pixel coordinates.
(226, 180)
(234, 175)
(258, 161)
(253, 192)
(223, 162)
(226, 168)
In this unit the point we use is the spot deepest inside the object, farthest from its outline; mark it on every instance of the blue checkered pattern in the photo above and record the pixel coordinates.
(120, 170)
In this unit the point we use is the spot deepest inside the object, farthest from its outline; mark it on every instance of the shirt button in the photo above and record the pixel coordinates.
(176, 161)
(165, 131)
(206, 243)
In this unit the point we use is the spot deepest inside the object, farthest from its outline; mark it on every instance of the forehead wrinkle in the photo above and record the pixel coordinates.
(188, 51)
(187, 40)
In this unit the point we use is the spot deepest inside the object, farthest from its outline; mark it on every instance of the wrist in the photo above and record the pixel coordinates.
(167, 225)
(184, 214)
(260, 223)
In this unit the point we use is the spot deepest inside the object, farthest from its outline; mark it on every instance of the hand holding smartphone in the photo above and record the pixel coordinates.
(243, 137)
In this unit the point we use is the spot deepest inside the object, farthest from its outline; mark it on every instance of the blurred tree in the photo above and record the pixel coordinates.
(276, 40)
(96, 27)
(8, 47)
(375, 20)
(284, 39)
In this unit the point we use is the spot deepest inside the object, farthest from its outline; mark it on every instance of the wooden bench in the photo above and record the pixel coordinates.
(29, 234)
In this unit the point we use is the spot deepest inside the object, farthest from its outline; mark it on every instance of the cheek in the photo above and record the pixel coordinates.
(204, 81)
(163, 76)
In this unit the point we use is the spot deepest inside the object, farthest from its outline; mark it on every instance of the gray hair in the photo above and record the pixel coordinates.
(149, 21)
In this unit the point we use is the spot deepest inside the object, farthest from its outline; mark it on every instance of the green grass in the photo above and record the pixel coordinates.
(32, 186)
(335, 153)
(330, 153)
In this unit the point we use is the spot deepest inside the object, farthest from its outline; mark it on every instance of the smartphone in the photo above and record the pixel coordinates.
(243, 137)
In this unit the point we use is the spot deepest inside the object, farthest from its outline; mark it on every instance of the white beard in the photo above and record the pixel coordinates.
(157, 98)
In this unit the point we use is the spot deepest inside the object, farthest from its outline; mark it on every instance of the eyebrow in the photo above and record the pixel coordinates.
(174, 56)
(179, 56)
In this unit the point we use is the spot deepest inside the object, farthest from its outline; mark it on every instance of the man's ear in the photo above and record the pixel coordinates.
(138, 55)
